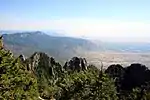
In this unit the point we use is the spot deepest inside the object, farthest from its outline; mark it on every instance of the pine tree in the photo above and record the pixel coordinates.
(16, 82)
(87, 85)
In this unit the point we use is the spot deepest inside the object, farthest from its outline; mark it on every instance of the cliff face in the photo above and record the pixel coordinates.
(43, 66)
(40, 63)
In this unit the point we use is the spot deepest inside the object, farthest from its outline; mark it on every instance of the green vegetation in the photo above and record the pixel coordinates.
(83, 85)
(41, 76)
(16, 83)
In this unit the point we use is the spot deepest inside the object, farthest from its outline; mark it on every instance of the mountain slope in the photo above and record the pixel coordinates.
(59, 47)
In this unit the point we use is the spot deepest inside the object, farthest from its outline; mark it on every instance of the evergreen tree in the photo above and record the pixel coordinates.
(16, 82)
(86, 85)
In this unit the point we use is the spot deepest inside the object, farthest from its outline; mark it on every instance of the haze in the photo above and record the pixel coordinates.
(108, 20)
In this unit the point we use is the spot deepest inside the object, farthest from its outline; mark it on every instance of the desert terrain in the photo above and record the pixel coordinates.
(125, 59)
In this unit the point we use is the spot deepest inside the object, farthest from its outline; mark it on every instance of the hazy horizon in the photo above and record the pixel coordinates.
(109, 20)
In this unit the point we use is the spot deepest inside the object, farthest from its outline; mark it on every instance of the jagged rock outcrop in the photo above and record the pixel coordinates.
(43, 65)
(76, 64)
(22, 58)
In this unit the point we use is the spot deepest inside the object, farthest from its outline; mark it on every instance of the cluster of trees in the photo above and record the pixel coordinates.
(16, 82)
(41, 76)
(91, 84)
(72, 81)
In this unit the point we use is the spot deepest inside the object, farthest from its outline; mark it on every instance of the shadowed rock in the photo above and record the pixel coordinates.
(128, 78)
(22, 58)
(116, 72)
(76, 64)
(135, 75)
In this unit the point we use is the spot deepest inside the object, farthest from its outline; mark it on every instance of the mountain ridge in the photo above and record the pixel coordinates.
(60, 47)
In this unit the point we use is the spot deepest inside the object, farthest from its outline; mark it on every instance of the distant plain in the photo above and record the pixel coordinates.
(125, 58)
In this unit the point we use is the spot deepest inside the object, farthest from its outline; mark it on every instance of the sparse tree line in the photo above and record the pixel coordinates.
(41, 77)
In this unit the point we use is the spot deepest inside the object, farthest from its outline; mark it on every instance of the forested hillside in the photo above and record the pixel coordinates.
(16, 82)
(40, 76)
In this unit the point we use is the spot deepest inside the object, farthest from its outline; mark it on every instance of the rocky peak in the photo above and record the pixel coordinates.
(41, 64)
(76, 64)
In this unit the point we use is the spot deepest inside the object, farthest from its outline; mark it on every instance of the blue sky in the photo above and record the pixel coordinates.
(97, 19)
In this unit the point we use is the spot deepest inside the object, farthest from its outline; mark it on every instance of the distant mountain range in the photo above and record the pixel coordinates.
(60, 47)
(133, 47)
(51, 33)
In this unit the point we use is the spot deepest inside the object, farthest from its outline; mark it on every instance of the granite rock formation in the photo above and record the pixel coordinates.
(43, 65)
(76, 64)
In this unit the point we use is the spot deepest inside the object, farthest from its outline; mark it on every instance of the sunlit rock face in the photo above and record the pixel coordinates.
(43, 65)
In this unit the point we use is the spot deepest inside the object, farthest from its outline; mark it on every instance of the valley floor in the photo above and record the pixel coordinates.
(124, 59)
